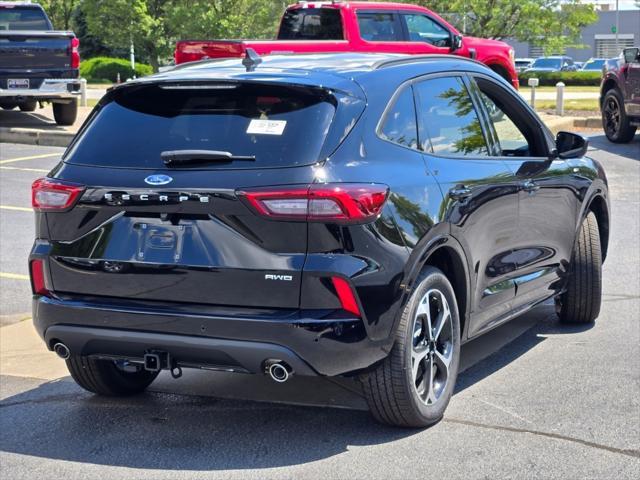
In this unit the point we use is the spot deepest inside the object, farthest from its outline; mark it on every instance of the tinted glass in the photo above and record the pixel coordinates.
(423, 29)
(378, 27)
(511, 140)
(593, 65)
(279, 126)
(311, 24)
(400, 121)
(447, 119)
(23, 18)
(547, 63)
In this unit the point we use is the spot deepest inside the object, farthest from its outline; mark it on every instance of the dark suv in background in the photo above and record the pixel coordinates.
(37, 63)
(620, 96)
(339, 214)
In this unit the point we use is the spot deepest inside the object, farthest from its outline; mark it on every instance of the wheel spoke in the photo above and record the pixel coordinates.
(443, 319)
(431, 373)
(417, 357)
(443, 360)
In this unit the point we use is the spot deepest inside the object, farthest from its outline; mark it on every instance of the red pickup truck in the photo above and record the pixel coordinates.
(317, 27)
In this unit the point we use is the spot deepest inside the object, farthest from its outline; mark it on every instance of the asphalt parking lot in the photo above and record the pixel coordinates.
(535, 399)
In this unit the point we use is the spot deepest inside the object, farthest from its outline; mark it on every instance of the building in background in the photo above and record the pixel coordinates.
(599, 38)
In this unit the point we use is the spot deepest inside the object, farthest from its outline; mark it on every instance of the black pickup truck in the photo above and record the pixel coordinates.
(37, 63)
(620, 96)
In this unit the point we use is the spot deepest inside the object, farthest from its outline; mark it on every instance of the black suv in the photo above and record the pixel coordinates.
(620, 96)
(324, 215)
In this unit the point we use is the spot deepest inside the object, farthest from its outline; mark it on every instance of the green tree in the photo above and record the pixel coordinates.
(155, 25)
(552, 24)
(60, 12)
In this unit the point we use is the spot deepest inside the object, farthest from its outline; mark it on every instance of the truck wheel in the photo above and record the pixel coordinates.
(65, 113)
(8, 106)
(615, 122)
(29, 106)
(413, 385)
(104, 377)
(581, 302)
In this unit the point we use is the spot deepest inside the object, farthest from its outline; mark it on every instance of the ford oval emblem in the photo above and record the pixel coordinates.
(158, 179)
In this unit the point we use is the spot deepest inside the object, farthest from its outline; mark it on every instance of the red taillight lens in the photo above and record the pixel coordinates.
(75, 54)
(54, 195)
(346, 296)
(327, 202)
(38, 284)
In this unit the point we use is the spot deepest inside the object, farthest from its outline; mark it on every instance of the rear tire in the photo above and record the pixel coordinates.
(581, 302)
(28, 106)
(615, 122)
(412, 386)
(103, 377)
(65, 114)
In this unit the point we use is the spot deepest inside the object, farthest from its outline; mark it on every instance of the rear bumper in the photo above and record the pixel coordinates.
(311, 342)
(51, 88)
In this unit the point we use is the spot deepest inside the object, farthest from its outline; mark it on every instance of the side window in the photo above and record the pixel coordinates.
(447, 119)
(424, 29)
(379, 27)
(514, 135)
(399, 125)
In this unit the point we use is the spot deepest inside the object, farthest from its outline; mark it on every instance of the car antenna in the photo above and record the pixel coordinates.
(251, 60)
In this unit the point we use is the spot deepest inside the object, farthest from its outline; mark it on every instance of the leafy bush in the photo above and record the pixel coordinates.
(107, 68)
(568, 78)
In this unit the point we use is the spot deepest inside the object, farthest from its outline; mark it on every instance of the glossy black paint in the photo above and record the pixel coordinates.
(501, 227)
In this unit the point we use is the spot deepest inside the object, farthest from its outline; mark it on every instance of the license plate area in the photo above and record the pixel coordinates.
(17, 83)
(161, 243)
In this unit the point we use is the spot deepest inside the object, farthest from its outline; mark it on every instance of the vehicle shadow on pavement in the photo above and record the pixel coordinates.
(160, 430)
(17, 119)
(630, 151)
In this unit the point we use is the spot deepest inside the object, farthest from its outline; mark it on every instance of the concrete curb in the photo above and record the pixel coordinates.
(34, 136)
(588, 122)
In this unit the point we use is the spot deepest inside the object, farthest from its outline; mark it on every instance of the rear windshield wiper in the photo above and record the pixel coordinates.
(183, 157)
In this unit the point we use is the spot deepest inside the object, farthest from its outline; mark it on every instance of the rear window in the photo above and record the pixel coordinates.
(311, 24)
(23, 18)
(281, 126)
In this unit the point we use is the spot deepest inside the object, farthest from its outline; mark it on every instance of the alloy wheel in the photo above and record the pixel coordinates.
(612, 116)
(432, 346)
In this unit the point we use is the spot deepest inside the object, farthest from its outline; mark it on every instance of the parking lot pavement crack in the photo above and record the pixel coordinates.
(556, 436)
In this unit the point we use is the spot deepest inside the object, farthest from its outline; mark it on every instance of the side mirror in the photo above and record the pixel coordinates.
(571, 145)
(456, 42)
(631, 55)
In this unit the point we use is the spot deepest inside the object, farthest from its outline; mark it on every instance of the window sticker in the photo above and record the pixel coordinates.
(266, 127)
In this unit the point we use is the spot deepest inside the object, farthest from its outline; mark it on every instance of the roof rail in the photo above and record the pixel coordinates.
(418, 58)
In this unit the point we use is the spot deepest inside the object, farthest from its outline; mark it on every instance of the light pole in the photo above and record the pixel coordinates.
(617, 28)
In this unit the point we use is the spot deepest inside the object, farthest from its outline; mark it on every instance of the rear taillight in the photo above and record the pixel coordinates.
(75, 53)
(346, 296)
(327, 202)
(54, 195)
(38, 283)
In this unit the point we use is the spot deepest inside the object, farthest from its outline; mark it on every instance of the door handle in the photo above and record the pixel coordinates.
(460, 192)
(530, 186)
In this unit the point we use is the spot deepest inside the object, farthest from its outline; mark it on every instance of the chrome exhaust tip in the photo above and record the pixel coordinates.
(62, 350)
(279, 372)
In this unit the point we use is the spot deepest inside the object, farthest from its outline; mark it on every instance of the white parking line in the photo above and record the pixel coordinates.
(14, 276)
(18, 209)
(39, 170)
(32, 157)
